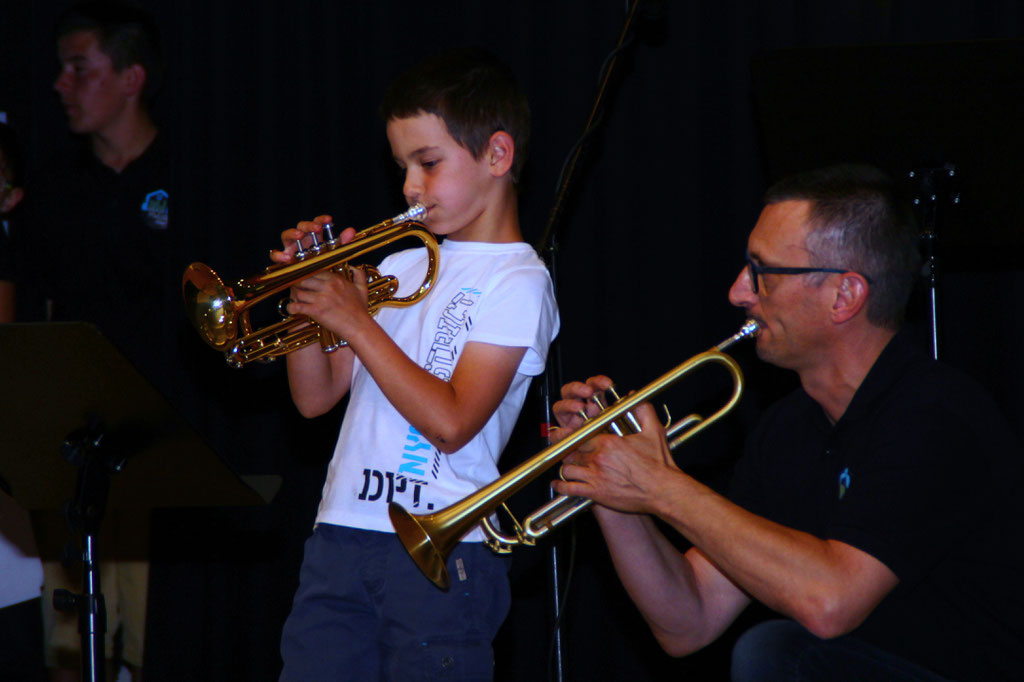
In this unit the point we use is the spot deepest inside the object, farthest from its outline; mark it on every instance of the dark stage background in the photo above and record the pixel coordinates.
(272, 107)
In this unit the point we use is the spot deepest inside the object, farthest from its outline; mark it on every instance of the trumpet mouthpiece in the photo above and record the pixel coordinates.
(415, 212)
(749, 329)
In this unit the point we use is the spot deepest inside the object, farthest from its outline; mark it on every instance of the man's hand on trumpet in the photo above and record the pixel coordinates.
(622, 473)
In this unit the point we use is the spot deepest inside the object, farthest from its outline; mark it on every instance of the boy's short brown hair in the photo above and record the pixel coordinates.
(475, 95)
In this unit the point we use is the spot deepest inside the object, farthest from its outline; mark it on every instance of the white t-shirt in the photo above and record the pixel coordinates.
(21, 571)
(491, 293)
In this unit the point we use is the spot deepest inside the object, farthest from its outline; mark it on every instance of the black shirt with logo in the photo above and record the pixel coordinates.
(99, 246)
(921, 472)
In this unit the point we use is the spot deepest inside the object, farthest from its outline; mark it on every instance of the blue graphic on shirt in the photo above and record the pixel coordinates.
(414, 462)
(155, 209)
(844, 481)
(454, 319)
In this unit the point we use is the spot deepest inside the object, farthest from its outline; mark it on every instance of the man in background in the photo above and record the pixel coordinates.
(105, 201)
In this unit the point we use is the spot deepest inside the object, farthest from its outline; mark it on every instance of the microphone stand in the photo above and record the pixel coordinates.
(933, 185)
(548, 247)
(96, 461)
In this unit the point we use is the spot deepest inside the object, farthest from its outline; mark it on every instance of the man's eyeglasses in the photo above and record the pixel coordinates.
(757, 270)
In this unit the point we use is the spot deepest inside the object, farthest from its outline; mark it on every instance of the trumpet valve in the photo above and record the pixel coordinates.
(329, 341)
(314, 248)
(329, 231)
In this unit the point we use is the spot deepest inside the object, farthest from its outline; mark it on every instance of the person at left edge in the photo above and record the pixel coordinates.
(21, 572)
(12, 190)
(103, 200)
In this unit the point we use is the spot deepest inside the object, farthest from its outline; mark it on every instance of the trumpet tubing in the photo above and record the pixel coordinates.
(430, 538)
(221, 313)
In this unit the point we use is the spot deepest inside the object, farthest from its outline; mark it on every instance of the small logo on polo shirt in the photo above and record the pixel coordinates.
(844, 481)
(155, 208)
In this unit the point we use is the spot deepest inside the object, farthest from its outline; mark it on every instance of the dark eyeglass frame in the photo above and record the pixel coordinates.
(757, 270)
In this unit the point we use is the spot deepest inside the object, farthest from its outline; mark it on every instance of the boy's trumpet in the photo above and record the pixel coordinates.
(221, 313)
(430, 538)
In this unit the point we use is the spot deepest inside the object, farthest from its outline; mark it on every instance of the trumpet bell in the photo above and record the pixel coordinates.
(418, 542)
(210, 305)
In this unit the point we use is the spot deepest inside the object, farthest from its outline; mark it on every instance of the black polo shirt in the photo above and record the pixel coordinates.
(112, 254)
(920, 472)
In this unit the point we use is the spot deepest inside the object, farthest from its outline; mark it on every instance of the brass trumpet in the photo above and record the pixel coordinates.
(430, 538)
(221, 313)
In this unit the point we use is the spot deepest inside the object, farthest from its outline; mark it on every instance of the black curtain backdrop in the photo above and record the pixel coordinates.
(272, 110)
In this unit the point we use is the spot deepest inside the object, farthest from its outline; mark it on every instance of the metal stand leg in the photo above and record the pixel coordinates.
(84, 448)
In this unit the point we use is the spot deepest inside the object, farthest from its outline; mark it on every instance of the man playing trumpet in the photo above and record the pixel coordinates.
(872, 508)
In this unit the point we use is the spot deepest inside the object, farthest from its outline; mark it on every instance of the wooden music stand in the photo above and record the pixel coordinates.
(73, 413)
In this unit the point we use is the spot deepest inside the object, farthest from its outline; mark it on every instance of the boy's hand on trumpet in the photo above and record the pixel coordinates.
(334, 301)
(576, 398)
(300, 234)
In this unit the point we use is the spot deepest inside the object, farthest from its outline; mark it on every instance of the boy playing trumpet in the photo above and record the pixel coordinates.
(435, 389)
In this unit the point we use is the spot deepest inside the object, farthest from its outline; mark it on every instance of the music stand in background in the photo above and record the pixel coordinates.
(79, 425)
(914, 111)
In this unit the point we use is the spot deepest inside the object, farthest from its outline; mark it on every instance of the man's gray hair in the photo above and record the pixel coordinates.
(857, 223)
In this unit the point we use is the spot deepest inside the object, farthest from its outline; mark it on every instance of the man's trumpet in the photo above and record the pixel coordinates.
(221, 312)
(430, 538)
